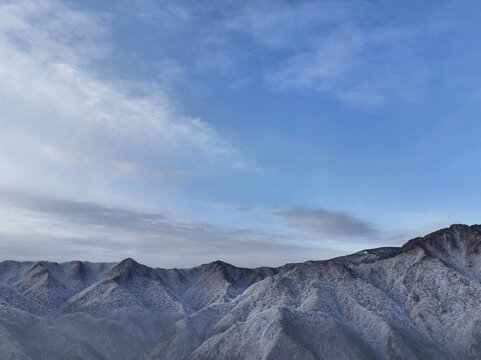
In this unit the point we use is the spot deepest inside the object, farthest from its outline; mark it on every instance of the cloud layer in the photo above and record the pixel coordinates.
(36, 227)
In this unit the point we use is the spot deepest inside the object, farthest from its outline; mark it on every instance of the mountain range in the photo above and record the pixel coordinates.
(418, 301)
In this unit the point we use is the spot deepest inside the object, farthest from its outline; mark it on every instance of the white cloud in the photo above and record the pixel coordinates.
(55, 102)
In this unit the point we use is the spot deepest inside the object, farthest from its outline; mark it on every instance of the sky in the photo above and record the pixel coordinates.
(253, 132)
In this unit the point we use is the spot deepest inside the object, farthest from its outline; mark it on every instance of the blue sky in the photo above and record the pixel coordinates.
(256, 132)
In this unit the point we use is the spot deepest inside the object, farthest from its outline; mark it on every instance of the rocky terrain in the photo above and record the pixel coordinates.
(420, 301)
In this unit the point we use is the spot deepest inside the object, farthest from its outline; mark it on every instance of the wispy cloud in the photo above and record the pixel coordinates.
(341, 49)
(353, 51)
(364, 67)
(61, 109)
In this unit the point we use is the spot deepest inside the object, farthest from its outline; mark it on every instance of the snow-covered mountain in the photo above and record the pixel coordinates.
(420, 301)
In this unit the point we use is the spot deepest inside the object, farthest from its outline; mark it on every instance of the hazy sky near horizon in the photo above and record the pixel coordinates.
(255, 132)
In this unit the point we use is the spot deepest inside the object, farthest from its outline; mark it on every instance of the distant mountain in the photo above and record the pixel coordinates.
(420, 301)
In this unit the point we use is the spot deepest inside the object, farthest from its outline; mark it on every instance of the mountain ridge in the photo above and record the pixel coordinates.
(418, 301)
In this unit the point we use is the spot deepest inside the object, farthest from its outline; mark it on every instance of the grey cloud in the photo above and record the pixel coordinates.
(80, 212)
(334, 224)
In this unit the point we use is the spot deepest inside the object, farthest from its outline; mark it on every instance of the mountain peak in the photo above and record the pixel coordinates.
(447, 240)
(222, 263)
(127, 268)
(475, 228)
(128, 263)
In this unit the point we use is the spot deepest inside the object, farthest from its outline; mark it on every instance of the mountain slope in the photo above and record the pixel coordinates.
(420, 301)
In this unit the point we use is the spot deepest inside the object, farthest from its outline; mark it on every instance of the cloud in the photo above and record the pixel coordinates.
(365, 67)
(353, 51)
(33, 226)
(326, 223)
